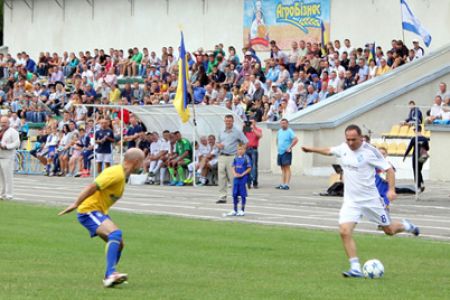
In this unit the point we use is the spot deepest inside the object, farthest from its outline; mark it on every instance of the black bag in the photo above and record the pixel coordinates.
(336, 189)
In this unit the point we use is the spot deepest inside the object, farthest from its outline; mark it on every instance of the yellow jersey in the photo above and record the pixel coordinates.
(110, 186)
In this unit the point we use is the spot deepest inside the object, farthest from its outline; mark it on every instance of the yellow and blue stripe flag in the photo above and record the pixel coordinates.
(323, 40)
(181, 100)
(372, 53)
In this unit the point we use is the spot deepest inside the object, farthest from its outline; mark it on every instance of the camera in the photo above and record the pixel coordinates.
(247, 126)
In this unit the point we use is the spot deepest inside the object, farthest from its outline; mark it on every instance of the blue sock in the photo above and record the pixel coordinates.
(235, 203)
(112, 251)
(243, 199)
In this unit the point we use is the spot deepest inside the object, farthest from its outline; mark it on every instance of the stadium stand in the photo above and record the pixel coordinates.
(42, 90)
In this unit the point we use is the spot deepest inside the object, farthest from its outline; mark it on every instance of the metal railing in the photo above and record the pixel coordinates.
(26, 164)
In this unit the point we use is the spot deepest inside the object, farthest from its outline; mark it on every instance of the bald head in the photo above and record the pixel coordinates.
(4, 122)
(134, 154)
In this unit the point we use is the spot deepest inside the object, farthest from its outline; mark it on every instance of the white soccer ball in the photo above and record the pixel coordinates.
(373, 269)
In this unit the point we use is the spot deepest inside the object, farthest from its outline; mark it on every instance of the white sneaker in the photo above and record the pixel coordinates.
(115, 279)
(230, 214)
(240, 213)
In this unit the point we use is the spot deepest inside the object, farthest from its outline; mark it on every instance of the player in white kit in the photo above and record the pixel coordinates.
(361, 198)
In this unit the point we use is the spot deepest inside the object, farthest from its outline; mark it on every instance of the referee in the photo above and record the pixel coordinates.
(227, 143)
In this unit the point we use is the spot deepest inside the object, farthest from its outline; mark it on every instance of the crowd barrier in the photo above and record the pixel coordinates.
(26, 164)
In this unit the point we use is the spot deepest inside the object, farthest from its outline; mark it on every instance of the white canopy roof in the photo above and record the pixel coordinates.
(165, 117)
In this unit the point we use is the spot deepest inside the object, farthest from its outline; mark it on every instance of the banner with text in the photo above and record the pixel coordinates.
(284, 21)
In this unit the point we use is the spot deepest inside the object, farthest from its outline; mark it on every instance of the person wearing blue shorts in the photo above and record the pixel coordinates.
(93, 204)
(286, 140)
(241, 168)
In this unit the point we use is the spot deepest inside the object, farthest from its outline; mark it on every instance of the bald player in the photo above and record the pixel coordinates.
(93, 204)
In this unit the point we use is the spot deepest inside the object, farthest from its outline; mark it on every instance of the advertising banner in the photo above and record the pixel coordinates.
(285, 21)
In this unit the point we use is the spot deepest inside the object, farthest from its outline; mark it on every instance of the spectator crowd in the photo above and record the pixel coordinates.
(59, 90)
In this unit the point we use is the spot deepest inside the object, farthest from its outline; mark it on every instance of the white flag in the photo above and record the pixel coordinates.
(411, 23)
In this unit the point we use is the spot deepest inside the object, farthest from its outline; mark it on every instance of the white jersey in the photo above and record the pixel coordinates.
(203, 150)
(359, 171)
(165, 146)
(155, 147)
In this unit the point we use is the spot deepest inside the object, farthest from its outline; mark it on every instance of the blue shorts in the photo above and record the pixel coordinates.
(239, 187)
(92, 220)
(285, 159)
(51, 151)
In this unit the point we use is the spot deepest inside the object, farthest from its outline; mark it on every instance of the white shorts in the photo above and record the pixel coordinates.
(213, 162)
(374, 210)
(104, 157)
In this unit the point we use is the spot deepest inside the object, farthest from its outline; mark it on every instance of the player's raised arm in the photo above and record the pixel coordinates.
(323, 151)
(88, 191)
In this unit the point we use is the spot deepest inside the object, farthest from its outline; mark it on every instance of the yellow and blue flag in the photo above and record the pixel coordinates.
(323, 38)
(372, 53)
(181, 100)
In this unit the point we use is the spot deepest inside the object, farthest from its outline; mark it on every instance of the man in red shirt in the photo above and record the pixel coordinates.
(253, 134)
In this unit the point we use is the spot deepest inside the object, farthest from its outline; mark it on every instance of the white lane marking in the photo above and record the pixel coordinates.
(314, 210)
(334, 228)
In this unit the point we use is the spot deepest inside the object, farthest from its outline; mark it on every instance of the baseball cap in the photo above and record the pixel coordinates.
(248, 53)
(415, 41)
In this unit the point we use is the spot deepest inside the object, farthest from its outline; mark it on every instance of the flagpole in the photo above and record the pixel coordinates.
(401, 14)
(194, 135)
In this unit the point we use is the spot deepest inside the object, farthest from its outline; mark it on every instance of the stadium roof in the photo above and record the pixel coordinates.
(164, 117)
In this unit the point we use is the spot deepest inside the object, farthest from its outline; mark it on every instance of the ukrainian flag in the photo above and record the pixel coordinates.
(372, 53)
(323, 38)
(181, 97)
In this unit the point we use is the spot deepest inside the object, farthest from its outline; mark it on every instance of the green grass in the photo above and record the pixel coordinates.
(48, 257)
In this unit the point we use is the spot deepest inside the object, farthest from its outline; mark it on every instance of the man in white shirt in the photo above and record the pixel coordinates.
(361, 198)
(435, 110)
(159, 149)
(14, 121)
(9, 142)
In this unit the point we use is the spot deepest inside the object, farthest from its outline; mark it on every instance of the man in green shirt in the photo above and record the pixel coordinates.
(135, 61)
(182, 158)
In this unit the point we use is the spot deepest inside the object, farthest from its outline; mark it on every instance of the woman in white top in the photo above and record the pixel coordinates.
(372, 69)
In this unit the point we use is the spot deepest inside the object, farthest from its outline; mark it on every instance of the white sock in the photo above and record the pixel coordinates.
(354, 264)
(203, 180)
(158, 165)
(162, 175)
(152, 166)
(407, 225)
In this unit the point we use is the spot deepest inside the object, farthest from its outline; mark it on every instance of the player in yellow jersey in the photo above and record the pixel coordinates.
(93, 204)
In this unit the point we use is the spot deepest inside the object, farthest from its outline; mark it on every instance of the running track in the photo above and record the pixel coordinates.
(298, 207)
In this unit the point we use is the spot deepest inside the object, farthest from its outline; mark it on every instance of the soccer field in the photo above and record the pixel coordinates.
(48, 257)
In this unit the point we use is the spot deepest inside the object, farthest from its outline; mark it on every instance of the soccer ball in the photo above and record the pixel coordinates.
(373, 269)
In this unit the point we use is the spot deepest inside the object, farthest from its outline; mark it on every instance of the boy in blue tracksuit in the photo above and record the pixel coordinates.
(241, 168)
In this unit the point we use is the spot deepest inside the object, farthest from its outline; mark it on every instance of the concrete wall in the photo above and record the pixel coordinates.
(205, 22)
(439, 145)
(320, 125)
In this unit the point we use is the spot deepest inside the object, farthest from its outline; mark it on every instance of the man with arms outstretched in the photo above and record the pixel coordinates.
(359, 161)
(93, 204)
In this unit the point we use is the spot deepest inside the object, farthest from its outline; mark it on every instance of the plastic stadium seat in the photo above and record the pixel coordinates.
(392, 148)
(394, 131)
(401, 148)
(411, 132)
(403, 132)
